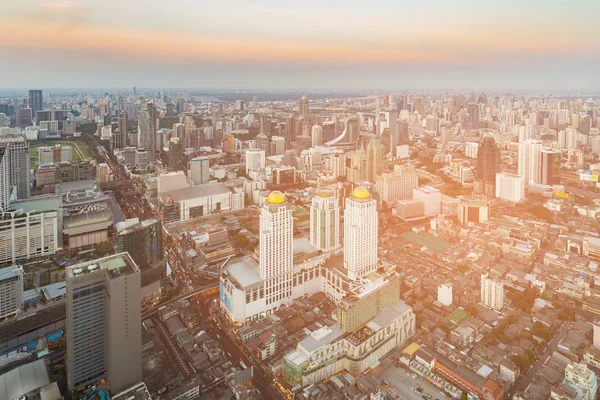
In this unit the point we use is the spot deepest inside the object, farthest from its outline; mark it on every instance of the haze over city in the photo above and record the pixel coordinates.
(533, 45)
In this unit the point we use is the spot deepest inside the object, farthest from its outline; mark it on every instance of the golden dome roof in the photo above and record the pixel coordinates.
(276, 197)
(361, 193)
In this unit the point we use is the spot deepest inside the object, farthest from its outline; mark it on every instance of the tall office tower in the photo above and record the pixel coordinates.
(492, 292)
(11, 291)
(403, 132)
(180, 105)
(36, 102)
(356, 171)
(277, 146)
(551, 167)
(290, 129)
(374, 159)
(431, 198)
(530, 163)
(123, 129)
(337, 164)
(239, 105)
(276, 247)
(510, 187)
(134, 91)
(317, 135)
(488, 160)
(24, 117)
(360, 233)
(325, 221)
(199, 170)
(303, 107)
(254, 102)
(473, 110)
(352, 130)
(103, 323)
(147, 127)
(393, 126)
(18, 162)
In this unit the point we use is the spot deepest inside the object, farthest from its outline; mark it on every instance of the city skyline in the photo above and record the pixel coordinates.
(438, 45)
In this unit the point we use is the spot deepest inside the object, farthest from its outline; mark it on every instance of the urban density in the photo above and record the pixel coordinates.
(369, 242)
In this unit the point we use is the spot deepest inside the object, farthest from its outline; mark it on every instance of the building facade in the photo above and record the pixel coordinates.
(11, 291)
(325, 221)
(360, 233)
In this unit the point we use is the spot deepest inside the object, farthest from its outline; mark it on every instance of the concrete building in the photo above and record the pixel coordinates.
(55, 154)
(510, 187)
(329, 350)
(170, 181)
(431, 198)
(409, 210)
(530, 163)
(255, 160)
(360, 233)
(277, 145)
(103, 174)
(444, 294)
(583, 377)
(325, 221)
(199, 170)
(103, 323)
(550, 173)
(397, 185)
(475, 211)
(200, 200)
(317, 135)
(492, 292)
(11, 291)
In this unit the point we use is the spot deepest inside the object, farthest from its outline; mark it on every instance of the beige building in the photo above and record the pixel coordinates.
(103, 323)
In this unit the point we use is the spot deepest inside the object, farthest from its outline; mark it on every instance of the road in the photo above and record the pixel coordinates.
(263, 384)
(526, 379)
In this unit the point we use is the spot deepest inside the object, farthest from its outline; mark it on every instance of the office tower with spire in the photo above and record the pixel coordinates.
(325, 221)
(276, 248)
(360, 233)
(303, 107)
(530, 165)
(103, 323)
(375, 154)
(36, 102)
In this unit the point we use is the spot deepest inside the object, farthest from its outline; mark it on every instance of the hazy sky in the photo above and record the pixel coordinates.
(391, 44)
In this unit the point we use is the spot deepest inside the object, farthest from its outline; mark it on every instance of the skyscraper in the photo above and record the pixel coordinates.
(317, 135)
(551, 167)
(123, 129)
(375, 154)
(303, 107)
(510, 187)
(393, 126)
(103, 323)
(403, 132)
(530, 164)
(11, 291)
(35, 101)
(360, 233)
(147, 127)
(276, 247)
(488, 159)
(325, 221)
(17, 163)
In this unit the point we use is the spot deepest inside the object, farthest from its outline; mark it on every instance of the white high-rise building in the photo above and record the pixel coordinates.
(337, 161)
(11, 291)
(393, 125)
(325, 221)
(397, 185)
(431, 198)
(255, 160)
(199, 170)
(278, 145)
(510, 187)
(360, 233)
(492, 292)
(276, 247)
(317, 135)
(444, 294)
(530, 161)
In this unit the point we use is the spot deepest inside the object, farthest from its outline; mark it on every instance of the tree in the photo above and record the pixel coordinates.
(522, 362)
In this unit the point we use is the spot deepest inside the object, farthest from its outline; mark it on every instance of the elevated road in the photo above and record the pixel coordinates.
(182, 296)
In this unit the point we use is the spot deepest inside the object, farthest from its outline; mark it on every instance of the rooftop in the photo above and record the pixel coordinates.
(244, 272)
(205, 190)
(17, 382)
(321, 337)
(10, 272)
(115, 265)
(387, 315)
(136, 392)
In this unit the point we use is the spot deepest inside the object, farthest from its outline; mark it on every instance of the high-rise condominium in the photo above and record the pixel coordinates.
(492, 292)
(147, 127)
(276, 253)
(35, 101)
(488, 159)
(325, 221)
(199, 170)
(530, 165)
(11, 291)
(360, 233)
(550, 167)
(103, 324)
(16, 161)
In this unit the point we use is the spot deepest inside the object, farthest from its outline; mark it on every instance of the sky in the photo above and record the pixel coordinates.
(551, 45)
